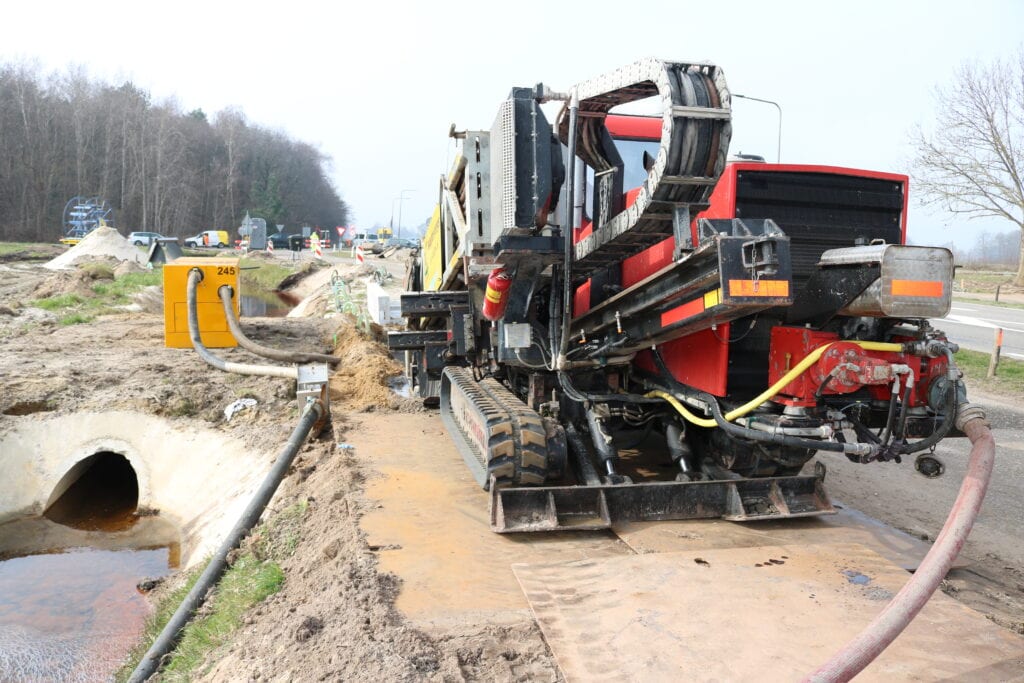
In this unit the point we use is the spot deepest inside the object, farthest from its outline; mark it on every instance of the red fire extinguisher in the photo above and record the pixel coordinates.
(496, 296)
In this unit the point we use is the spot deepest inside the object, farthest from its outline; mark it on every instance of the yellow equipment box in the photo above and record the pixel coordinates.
(213, 325)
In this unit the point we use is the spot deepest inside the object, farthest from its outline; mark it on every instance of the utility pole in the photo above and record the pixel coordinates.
(778, 149)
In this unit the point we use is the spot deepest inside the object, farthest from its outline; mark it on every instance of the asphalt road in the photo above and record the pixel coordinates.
(971, 325)
(896, 494)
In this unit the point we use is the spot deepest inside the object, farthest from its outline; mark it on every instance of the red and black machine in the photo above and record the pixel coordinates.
(619, 323)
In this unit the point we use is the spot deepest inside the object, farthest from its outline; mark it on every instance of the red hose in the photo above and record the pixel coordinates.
(877, 636)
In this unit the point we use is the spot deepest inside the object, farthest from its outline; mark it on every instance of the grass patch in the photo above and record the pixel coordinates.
(1009, 379)
(15, 247)
(279, 537)
(255, 575)
(261, 274)
(58, 303)
(165, 609)
(104, 297)
(248, 582)
(76, 319)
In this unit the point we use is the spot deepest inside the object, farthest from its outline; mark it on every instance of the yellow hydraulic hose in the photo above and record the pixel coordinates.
(771, 391)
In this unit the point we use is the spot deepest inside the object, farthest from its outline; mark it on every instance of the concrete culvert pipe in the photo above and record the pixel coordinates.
(96, 491)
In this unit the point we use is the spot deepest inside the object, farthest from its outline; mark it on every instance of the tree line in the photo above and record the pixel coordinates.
(162, 169)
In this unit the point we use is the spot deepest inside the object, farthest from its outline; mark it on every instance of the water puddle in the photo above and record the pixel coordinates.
(69, 606)
(266, 304)
(73, 614)
(400, 386)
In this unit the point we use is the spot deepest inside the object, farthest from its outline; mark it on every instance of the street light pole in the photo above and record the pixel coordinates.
(401, 198)
(778, 150)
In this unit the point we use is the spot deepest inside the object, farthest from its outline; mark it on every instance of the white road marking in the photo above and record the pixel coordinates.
(978, 322)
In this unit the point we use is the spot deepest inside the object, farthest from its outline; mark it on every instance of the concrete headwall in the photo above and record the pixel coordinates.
(196, 478)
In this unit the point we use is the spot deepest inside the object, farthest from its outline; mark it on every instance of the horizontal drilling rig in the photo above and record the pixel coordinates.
(619, 323)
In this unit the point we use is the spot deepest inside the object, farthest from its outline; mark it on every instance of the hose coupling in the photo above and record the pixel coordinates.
(931, 348)
(965, 412)
(861, 450)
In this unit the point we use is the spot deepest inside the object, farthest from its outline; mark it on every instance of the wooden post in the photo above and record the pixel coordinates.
(993, 362)
(997, 293)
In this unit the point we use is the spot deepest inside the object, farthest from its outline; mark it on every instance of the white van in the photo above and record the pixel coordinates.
(367, 240)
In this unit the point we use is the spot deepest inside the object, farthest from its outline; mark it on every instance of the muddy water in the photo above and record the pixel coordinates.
(69, 607)
(265, 304)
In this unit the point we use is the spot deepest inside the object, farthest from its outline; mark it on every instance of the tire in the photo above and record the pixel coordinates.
(138, 243)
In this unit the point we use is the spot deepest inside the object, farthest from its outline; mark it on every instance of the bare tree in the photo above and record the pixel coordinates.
(973, 162)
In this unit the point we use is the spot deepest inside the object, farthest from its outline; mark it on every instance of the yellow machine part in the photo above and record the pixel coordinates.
(213, 325)
(432, 256)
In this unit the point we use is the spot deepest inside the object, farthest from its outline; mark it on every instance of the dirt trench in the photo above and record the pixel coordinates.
(335, 618)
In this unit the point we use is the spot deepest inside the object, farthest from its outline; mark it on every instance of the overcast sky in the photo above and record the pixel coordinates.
(376, 85)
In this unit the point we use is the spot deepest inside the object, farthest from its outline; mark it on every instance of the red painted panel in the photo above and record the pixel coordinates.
(699, 360)
(683, 311)
(581, 299)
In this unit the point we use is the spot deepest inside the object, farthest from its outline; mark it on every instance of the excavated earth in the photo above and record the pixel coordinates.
(335, 618)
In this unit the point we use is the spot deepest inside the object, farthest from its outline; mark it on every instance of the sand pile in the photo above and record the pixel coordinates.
(360, 382)
(99, 243)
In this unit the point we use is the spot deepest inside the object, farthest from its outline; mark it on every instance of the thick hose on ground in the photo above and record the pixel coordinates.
(168, 637)
(195, 276)
(877, 635)
(226, 294)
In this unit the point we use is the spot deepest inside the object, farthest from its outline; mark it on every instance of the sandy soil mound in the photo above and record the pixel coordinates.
(100, 242)
(79, 281)
(361, 381)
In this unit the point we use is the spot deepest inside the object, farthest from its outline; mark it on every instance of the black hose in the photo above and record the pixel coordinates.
(901, 425)
(168, 637)
(768, 437)
(227, 293)
(578, 396)
(883, 436)
(947, 423)
(195, 276)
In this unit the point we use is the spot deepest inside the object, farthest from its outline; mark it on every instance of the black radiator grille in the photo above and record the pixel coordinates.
(821, 211)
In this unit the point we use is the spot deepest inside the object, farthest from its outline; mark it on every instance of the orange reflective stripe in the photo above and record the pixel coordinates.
(758, 287)
(687, 310)
(926, 288)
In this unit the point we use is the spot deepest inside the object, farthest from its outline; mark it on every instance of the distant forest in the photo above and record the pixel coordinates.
(162, 169)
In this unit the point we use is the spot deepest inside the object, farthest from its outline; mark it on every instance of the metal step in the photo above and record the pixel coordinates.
(588, 508)
(430, 304)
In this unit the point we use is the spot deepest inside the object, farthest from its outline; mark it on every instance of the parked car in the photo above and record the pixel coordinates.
(140, 239)
(279, 240)
(208, 238)
(404, 243)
